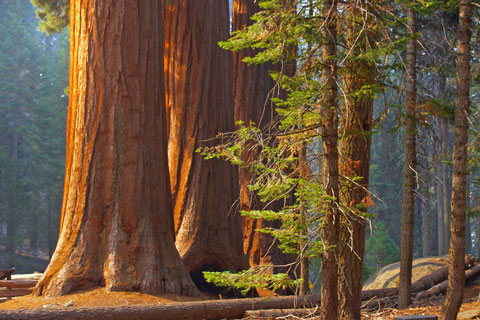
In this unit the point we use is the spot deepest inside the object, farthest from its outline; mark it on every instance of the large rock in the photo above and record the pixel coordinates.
(388, 276)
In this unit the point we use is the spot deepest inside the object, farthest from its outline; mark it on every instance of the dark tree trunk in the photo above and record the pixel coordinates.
(252, 89)
(354, 150)
(408, 203)
(456, 274)
(329, 126)
(116, 228)
(199, 106)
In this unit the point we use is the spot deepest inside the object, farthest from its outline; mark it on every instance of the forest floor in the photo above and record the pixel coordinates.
(431, 306)
(99, 297)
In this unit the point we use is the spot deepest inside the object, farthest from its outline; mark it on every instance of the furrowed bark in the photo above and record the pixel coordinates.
(252, 89)
(116, 227)
(408, 203)
(199, 106)
(354, 153)
(329, 108)
(456, 275)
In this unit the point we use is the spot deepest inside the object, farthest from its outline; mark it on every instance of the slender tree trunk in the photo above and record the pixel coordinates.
(408, 203)
(199, 106)
(440, 207)
(425, 228)
(424, 197)
(329, 134)
(354, 153)
(456, 271)
(445, 184)
(116, 228)
(12, 201)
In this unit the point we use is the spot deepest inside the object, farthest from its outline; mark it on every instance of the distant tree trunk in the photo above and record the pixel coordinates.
(425, 172)
(208, 231)
(329, 126)
(468, 220)
(354, 161)
(425, 228)
(445, 183)
(51, 244)
(252, 89)
(33, 226)
(408, 203)
(12, 200)
(116, 228)
(468, 236)
(440, 205)
(456, 271)
(439, 93)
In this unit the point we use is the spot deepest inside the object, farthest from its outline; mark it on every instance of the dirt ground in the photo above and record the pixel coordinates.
(92, 298)
(99, 297)
(431, 306)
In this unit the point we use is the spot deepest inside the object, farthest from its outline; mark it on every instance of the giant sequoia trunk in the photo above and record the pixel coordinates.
(408, 203)
(456, 275)
(329, 134)
(116, 227)
(199, 106)
(252, 88)
(354, 149)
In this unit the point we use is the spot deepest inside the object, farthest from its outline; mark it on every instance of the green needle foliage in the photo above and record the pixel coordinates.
(54, 15)
(287, 164)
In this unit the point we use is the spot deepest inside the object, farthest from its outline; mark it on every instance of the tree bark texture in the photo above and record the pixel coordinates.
(252, 89)
(408, 202)
(354, 161)
(116, 227)
(456, 275)
(199, 106)
(329, 109)
(441, 287)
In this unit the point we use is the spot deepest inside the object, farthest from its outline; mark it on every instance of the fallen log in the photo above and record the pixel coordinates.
(7, 273)
(379, 303)
(277, 313)
(442, 286)
(218, 309)
(421, 284)
(18, 283)
(14, 293)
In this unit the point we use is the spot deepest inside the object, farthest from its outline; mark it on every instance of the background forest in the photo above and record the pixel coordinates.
(33, 82)
(33, 110)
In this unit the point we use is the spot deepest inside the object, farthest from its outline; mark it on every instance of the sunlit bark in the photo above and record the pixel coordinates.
(116, 227)
(199, 106)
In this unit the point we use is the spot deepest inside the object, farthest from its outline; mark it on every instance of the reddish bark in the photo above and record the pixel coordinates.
(116, 227)
(408, 202)
(354, 150)
(252, 88)
(329, 127)
(199, 106)
(456, 276)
